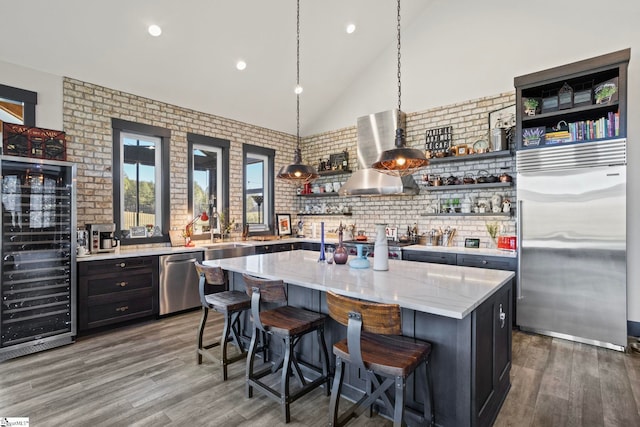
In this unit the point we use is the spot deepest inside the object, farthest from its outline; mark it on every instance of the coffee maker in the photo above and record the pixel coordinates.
(102, 238)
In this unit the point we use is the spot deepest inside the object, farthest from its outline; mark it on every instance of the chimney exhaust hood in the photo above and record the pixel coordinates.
(376, 133)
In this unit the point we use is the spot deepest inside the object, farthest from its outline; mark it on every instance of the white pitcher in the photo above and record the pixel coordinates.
(381, 249)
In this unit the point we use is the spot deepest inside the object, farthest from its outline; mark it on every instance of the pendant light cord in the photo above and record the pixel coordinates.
(399, 71)
(298, 78)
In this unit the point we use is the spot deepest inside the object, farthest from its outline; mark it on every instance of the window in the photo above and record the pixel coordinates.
(258, 187)
(141, 182)
(17, 106)
(208, 181)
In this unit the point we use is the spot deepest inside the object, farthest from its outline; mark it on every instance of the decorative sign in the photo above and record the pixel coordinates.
(438, 140)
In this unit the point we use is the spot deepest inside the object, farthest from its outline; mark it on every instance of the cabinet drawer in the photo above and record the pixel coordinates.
(120, 283)
(433, 257)
(115, 266)
(120, 309)
(492, 262)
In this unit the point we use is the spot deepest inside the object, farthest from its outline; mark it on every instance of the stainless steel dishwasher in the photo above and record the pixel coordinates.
(179, 282)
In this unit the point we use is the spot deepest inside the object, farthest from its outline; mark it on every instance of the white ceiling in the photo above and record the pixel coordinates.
(192, 64)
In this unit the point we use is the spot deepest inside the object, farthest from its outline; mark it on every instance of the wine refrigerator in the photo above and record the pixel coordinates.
(38, 268)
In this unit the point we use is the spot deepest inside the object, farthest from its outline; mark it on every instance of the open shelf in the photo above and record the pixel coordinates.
(467, 186)
(330, 194)
(506, 214)
(468, 157)
(334, 172)
(325, 214)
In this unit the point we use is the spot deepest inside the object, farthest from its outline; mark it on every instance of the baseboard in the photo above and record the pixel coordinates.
(633, 328)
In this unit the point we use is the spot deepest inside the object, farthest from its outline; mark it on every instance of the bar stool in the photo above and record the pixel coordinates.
(288, 324)
(374, 344)
(229, 303)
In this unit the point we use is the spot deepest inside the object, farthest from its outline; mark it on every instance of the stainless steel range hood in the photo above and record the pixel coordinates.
(376, 133)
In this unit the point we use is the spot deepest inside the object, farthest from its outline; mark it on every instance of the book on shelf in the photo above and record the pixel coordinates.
(604, 127)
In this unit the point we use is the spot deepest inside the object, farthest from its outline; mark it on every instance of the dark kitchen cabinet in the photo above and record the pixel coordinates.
(277, 247)
(432, 257)
(116, 290)
(493, 262)
(492, 341)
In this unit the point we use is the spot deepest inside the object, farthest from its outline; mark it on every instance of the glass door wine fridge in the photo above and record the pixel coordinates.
(38, 268)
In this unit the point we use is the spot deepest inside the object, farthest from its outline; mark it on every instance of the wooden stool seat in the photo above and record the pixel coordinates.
(229, 303)
(288, 324)
(400, 357)
(375, 347)
(287, 320)
(226, 301)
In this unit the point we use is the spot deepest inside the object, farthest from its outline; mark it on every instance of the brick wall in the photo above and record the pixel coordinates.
(87, 114)
(470, 123)
(88, 110)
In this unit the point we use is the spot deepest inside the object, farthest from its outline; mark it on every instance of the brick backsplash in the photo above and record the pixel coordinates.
(470, 123)
(89, 108)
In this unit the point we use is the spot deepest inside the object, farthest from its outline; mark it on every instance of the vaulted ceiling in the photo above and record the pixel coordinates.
(192, 64)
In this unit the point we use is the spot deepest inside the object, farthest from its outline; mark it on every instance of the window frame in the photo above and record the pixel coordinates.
(28, 98)
(269, 200)
(224, 145)
(119, 127)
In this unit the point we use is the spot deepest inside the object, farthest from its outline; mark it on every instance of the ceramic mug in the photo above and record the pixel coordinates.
(328, 187)
(336, 186)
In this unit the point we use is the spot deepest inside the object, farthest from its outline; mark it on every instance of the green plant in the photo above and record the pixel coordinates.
(531, 103)
(605, 92)
(492, 229)
(226, 226)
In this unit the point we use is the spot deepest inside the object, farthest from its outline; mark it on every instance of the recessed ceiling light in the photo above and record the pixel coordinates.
(154, 30)
(241, 65)
(351, 28)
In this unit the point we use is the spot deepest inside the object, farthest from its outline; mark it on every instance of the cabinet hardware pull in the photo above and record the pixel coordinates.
(122, 284)
(484, 261)
(121, 264)
(502, 317)
(123, 308)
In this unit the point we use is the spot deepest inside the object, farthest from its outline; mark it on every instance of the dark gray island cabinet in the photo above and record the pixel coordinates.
(464, 312)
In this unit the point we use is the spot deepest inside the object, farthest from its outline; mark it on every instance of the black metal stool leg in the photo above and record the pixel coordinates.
(398, 408)
(223, 343)
(203, 321)
(335, 393)
(284, 384)
(250, 360)
(325, 360)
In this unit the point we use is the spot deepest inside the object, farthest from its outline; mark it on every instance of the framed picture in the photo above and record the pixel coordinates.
(504, 118)
(284, 224)
(138, 232)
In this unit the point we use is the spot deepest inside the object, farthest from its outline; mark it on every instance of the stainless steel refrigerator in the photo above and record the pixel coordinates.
(572, 242)
(38, 264)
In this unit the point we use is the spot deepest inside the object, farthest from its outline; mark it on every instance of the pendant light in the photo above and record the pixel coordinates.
(401, 160)
(297, 172)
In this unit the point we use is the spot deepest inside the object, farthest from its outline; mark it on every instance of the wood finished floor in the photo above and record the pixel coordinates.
(146, 375)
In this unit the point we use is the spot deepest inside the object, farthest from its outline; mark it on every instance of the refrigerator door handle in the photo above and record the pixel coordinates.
(519, 251)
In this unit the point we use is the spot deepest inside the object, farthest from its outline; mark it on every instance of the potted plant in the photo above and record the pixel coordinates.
(532, 136)
(604, 93)
(531, 106)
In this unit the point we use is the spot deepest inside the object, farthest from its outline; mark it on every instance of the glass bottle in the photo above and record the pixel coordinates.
(340, 255)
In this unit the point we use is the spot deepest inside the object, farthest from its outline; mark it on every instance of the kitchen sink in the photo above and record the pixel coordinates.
(227, 250)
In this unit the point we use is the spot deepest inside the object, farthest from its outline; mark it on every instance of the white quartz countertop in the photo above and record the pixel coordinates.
(444, 290)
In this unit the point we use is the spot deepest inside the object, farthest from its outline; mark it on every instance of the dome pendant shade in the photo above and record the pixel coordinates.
(297, 172)
(400, 161)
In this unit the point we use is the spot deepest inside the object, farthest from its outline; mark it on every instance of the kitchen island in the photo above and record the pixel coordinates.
(463, 311)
